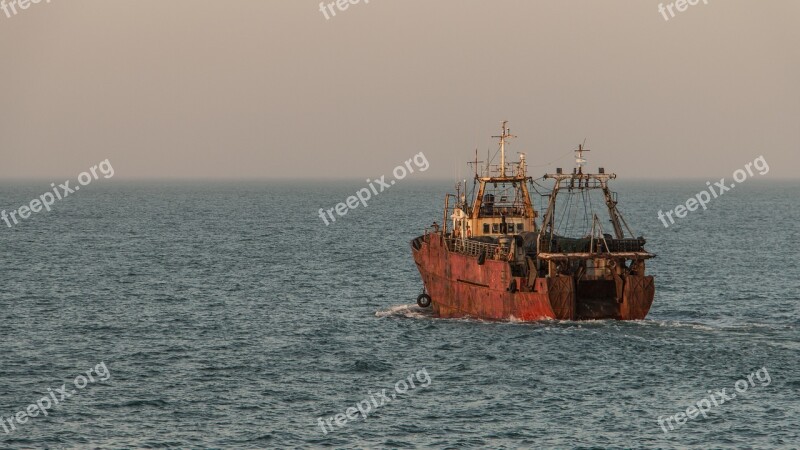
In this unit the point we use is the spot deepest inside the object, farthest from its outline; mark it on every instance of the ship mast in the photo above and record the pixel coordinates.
(506, 135)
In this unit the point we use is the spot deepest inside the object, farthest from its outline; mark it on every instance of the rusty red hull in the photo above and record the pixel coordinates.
(461, 287)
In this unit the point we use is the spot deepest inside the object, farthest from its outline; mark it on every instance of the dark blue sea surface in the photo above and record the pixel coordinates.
(230, 316)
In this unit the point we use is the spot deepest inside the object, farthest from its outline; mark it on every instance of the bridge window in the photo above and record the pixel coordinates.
(486, 228)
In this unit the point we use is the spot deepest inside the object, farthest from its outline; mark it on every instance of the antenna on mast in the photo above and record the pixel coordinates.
(580, 161)
(475, 164)
(506, 135)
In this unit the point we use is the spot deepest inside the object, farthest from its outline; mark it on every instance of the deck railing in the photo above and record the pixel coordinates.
(472, 248)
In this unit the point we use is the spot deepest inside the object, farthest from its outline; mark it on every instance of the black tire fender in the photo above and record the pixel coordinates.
(424, 300)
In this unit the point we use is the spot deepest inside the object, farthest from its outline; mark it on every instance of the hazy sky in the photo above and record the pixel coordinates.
(271, 89)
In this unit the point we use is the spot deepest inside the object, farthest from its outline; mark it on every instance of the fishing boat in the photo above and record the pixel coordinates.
(491, 258)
